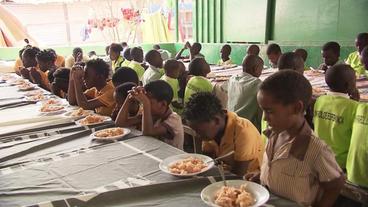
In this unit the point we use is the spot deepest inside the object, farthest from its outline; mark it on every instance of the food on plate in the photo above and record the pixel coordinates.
(52, 102)
(25, 86)
(111, 132)
(187, 166)
(37, 97)
(79, 112)
(33, 93)
(18, 82)
(51, 108)
(92, 119)
(233, 197)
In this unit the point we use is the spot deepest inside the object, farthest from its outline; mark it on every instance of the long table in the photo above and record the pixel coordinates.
(57, 163)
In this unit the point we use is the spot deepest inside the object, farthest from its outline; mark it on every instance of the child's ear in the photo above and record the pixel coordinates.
(298, 107)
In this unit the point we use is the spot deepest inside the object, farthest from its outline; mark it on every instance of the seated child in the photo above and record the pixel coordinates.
(92, 54)
(273, 53)
(120, 94)
(154, 70)
(60, 60)
(122, 75)
(353, 60)
(223, 131)
(253, 50)
(165, 55)
(60, 83)
(330, 54)
(115, 57)
(243, 89)
(127, 57)
(334, 113)
(172, 72)
(183, 79)
(77, 56)
(137, 61)
(303, 54)
(29, 61)
(194, 51)
(18, 62)
(295, 157)
(99, 93)
(364, 58)
(198, 69)
(46, 64)
(225, 55)
(290, 60)
(158, 120)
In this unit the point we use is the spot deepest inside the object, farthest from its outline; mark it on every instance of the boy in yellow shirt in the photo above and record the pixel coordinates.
(115, 57)
(354, 58)
(127, 57)
(223, 131)
(330, 55)
(194, 51)
(154, 70)
(253, 50)
(172, 72)
(225, 55)
(137, 61)
(89, 88)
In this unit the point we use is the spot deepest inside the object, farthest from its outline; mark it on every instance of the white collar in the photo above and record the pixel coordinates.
(338, 94)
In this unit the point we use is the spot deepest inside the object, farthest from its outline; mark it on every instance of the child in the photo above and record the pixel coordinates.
(243, 88)
(115, 57)
(253, 50)
(29, 61)
(154, 71)
(273, 53)
(290, 60)
(60, 60)
(198, 69)
(330, 54)
(127, 57)
(353, 60)
(364, 58)
(124, 75)
(303, 54)
(334, 113)
(158, 120)
(99, 93)
(60, 83)
(194, 51)
(172, 72)
(297, 165)
(223, 131)
(183, 77)
(225, 55)
(77, 56)
(165, 55)
(120, 94)
(137, 61)
(46, 63)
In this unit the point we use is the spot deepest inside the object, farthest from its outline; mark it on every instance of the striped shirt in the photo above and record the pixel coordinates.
(297, 165)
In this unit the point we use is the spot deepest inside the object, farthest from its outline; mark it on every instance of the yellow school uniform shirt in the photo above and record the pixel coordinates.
(242, 137)
(354, 61)
(137, 67)
(117, 63)
(60, 61)
(125, 63)
(223, 63)
(105, 96)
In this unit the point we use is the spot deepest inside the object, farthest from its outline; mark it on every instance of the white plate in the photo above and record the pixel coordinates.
(166, 163)
(126, 132)
(69, 113)
(259, 193)
(27, 89)
(79, 124)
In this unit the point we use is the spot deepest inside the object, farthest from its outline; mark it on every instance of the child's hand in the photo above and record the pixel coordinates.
(187, 45)
(140, 94)
(79, 57)
(253, 176)
(77, 72)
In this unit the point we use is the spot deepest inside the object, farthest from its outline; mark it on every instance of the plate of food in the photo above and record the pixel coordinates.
(78, 113)
(110, 134)
(49, 109)
(92, 119)
(33, 93)
(53, 101)
(17, 82)
(26, 87)
(38, 97)
(186, 165)
(237, 193)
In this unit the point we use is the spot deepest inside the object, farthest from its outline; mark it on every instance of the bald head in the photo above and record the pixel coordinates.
(253, 65)
(253, 50)
(292, 61)
(302, 53)
(340, 78)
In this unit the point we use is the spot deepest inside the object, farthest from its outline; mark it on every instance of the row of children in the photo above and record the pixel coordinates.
(301, 157)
